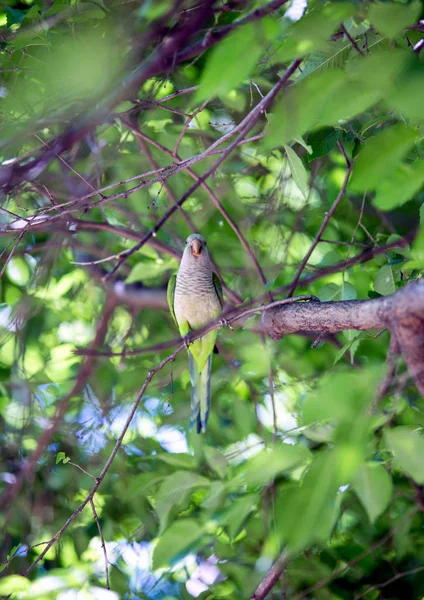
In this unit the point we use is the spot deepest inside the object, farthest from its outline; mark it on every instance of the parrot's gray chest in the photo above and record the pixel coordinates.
(196, 301)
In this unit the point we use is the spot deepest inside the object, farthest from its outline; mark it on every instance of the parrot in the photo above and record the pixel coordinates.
(195, 297)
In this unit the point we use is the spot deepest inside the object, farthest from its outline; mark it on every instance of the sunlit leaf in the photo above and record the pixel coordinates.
(315, 500)
(384, 281)
(240, 52)
(407, 446)
(391, 17)
(264, 467)
(298, 171)
(380, 154)
(373, 485)
(174, 493)
(400, 185)
(175, 542)
(216, 461)
(13, 584)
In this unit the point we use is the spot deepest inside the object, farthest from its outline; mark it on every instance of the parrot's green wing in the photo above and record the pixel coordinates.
(170, 295)
(218, 288)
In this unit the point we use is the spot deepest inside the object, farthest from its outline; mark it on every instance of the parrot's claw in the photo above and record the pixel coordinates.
(186, 341)
(224, 323)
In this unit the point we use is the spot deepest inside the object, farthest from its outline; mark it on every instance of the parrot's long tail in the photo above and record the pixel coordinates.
(200, 393)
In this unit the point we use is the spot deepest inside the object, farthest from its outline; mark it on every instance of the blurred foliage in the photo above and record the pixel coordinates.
(296, 455)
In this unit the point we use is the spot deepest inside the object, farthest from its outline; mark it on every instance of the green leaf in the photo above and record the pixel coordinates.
(352, 344)
(33, 13)
(13, 584)
(264, 467)
(407, 95)
(380, 69)
(400, 185)
(150, 269)
(373, 486)
(418, 244)
(231, 61)
(174, 493)
(177, 541)
(216, 496)
(343, 397)
(61, 457)
(384, 282)
(298, 171)
(332, 56)
(407, 446)
(329, 292)
(348, 291)
(181, 460)
(322, 99)
(14, 16)
(217, 461)
(401, 528)
(391, 17)
(235, 517)
(380, 154)
(18, 271)
(330, 258)
(315, 500)
(302, 143)
(322, 141)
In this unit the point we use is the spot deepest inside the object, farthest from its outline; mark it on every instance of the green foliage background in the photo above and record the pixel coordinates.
(294, 458)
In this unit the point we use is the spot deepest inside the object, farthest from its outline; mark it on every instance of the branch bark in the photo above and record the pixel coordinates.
(271, 578)
(402, 313)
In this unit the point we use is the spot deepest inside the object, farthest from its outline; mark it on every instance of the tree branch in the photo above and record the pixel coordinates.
(402, 313)
(271, 578)
(170, 53)
(244, 127)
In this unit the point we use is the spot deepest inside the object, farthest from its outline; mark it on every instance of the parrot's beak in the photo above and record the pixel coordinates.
(196, 248)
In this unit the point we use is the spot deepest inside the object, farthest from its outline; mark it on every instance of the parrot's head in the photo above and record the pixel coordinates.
(196, 248)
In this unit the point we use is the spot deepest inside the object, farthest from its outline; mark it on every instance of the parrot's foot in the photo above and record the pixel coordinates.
(186, 341)
(224, 323)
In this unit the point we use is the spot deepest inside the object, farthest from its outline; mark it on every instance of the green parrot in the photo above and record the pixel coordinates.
(195, 298)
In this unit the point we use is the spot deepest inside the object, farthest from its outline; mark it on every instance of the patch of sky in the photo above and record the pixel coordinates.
(240, 451)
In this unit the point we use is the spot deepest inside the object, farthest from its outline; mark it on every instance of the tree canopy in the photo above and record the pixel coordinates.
(290, 135)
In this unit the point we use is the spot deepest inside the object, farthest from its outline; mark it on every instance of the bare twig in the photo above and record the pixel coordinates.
(380, 586)
(214, 199)
(102, 542)
(169, 53)
(244, 127)
(351, 40)
(109, 462)
(317, 238)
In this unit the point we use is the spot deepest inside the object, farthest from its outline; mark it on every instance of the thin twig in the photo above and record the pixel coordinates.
(245, 126)
(379, 586)
(215, 200)
(109, 462)
(321, 230)
(81, 469)
(102, 542)
(351, 40)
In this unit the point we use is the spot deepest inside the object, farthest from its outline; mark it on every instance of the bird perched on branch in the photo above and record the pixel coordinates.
(195, 298)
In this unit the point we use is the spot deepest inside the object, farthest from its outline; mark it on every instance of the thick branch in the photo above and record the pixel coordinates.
(402, 313)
